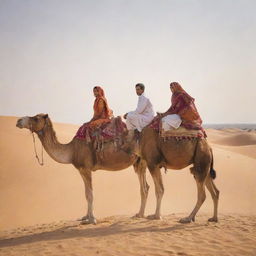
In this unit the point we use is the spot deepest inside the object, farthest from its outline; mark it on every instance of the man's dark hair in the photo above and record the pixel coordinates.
(142, 86)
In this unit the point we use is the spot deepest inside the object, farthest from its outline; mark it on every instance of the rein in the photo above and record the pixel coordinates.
(42, 152)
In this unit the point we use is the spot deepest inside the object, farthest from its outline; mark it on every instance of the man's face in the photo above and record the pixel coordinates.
(139, 91)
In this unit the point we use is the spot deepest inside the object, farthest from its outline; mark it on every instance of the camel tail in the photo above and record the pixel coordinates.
(212, 171)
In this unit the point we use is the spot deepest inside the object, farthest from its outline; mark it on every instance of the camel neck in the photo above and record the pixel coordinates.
(61, 153)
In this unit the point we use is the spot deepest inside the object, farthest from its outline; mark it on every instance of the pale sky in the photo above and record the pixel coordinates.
(53, 52)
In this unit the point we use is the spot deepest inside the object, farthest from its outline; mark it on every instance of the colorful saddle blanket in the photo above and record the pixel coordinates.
(112, 130)
(182, 133)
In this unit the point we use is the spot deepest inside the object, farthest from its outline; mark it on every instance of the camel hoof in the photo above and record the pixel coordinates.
(213, 219)
(138, 215)
(154, 217)
(83, 218)
(186, 220)
(87, 221)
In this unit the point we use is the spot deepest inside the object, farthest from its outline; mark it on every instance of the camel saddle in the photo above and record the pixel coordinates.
(115, 128)
(182, 133)
(113, 131)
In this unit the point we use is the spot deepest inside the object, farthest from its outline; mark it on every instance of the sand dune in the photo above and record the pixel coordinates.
(32, 195)
(240, 141)
(249, 150)
(120, 235)
(232, 137)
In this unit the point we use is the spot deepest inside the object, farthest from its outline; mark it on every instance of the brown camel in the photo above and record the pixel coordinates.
(174, 154)
(84, 157)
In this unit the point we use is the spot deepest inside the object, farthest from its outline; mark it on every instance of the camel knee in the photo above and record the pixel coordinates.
(203, 197)
(217, 192)
(215, 195)
(160, 191)
(144, 190)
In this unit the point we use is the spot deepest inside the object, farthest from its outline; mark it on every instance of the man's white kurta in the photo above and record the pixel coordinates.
(142, 116)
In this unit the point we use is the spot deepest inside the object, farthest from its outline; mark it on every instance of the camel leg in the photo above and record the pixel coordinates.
(159, 191)
(144, 187)
(87, 178)
(215, 197)
(200, 199)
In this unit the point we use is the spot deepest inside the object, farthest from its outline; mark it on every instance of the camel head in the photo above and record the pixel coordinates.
(34, 124)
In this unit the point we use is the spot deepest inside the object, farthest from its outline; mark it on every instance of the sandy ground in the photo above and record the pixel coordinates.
(40, 204)
(121, 235)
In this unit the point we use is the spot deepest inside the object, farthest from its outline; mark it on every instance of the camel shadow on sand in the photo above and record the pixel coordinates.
(75, 229)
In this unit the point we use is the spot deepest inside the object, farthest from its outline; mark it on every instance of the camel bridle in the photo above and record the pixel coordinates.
(34, 142)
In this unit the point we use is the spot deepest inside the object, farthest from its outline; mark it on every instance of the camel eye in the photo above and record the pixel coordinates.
(35, 119)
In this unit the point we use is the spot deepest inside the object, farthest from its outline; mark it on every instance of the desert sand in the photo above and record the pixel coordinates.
(40, 205)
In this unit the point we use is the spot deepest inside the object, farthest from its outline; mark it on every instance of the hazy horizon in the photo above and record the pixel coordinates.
(54, 52)
(205, 125)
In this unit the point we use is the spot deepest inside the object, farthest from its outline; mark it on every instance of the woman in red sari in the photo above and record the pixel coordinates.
(182, 111)
(102, 112)
(102, 115)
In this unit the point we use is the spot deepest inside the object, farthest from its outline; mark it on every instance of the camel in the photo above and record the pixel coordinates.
(84, 157)
(174, 154)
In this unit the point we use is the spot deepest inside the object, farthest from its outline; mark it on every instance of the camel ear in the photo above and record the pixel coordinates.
(45, 116)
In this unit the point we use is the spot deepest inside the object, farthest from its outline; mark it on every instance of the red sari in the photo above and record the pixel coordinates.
(102, 112)
(102, 115)
(184, 106)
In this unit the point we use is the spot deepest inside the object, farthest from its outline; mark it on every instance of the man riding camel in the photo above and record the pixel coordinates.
(142, 115)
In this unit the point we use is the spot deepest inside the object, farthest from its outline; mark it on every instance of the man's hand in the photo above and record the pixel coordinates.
(125, 116)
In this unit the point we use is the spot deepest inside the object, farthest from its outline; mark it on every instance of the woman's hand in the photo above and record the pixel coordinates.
(159, 114)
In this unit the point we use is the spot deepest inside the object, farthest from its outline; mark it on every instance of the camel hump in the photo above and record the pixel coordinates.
(115, 127)
(116, 122)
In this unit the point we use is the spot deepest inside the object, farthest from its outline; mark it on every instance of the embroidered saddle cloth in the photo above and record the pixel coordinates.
(182, 133)
(112, 130)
